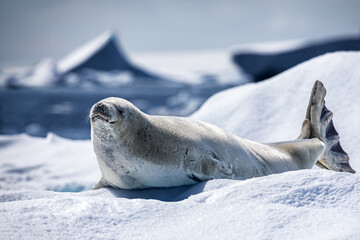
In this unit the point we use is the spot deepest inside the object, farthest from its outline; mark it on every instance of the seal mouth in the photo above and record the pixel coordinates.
(101, 116)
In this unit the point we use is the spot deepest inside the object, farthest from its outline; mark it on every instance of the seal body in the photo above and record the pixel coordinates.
(137, 150)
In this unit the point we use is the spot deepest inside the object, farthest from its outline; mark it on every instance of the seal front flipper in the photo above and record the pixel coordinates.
(207, 168)
(102, 183)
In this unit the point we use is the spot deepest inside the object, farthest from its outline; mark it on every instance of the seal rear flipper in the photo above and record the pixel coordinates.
(322, 127)
(320, 165)
(102, 183)
(305, 129)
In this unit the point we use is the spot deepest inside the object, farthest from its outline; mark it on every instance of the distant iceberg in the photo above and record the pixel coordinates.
(100, 62)
(103, 54)
(44, 73)
(262, 64)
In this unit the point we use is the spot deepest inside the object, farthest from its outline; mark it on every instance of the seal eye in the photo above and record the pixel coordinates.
(120, 111)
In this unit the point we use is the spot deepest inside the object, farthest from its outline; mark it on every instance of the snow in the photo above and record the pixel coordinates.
(43, 163)
(84, 52)
(45, 182)
(309, 204)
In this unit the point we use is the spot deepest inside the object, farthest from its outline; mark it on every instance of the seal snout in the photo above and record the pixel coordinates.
(104, 112)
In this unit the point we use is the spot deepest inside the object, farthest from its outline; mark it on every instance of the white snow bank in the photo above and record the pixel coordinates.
(51, 163)
(311, 204)
(273, 110)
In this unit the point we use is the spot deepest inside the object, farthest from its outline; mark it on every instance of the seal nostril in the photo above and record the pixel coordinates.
(100, 107)
(101, 110)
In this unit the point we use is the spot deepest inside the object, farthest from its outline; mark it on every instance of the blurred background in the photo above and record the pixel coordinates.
(57, 58)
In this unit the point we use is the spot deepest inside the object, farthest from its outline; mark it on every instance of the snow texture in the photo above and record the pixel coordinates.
(45, 182)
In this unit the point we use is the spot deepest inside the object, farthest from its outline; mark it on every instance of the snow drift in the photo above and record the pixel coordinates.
(307, 204)
(294, 205)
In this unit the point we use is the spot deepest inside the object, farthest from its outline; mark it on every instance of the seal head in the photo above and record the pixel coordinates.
(112, 120)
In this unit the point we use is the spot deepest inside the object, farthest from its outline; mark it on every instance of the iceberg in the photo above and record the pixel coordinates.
(262, 64)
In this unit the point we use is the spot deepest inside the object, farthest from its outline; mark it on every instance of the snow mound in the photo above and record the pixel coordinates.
(51, 163)
(273, 110)
(295, 205)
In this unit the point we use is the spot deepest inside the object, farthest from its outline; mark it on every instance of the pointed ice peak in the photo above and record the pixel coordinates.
(84, 52)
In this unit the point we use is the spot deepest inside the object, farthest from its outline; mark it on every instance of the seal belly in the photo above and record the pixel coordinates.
(159, 175)
(113, 178)
(143, 174)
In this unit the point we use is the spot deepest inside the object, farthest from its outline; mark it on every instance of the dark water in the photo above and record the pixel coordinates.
(65, 111)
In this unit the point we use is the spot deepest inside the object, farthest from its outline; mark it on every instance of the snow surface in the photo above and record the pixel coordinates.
(295, 205)
(307, 204)
(44, 163)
